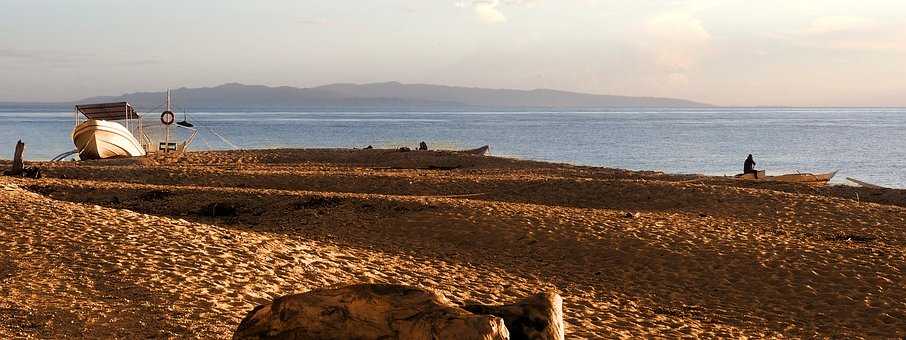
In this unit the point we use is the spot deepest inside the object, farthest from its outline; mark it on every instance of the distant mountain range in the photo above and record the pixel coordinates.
(391, 95)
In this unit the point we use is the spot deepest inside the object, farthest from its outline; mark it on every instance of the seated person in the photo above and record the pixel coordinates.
(749, 166)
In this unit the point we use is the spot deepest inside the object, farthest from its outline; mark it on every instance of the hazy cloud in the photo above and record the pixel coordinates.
(676, 40)
(851, 33)
(312, 21)
(837, 24)
(489, 10)
(140, 62)
(67, 59)
(41, 56)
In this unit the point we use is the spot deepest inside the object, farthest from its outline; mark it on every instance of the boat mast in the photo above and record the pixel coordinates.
(167, 126)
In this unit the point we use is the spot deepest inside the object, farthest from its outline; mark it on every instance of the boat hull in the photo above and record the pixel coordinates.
(806, 178)
(101, 139)
(479, 151)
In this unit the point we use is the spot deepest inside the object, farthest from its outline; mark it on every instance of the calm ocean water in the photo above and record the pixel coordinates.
(869, 144)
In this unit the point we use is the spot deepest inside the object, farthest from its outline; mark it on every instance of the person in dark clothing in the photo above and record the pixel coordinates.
(749, 166)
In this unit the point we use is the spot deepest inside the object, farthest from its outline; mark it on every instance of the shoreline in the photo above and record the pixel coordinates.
(185, 247)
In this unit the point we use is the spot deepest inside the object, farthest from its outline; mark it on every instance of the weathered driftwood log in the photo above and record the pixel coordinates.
(19, 168)
(18, 165)
(538, 317)
(367, 311)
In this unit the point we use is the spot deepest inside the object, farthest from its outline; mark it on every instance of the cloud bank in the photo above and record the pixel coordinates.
(489, 11)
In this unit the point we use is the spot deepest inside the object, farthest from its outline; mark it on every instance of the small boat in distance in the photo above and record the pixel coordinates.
(100, 137)
(805, 178)
(865, 184)
(478, 152)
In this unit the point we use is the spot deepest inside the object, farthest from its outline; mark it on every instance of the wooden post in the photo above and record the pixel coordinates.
(18, 165)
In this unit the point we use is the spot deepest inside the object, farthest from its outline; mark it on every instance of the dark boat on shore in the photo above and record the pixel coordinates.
(806, 178)
(478, 151)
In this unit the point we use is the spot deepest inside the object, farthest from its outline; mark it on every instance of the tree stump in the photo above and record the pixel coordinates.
(18, 164)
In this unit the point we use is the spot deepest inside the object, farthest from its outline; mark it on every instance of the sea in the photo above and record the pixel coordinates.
(868, 144)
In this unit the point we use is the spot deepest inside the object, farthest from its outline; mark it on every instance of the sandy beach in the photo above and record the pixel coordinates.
(161, 247)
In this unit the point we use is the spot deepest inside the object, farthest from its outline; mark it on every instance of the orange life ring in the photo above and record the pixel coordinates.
(167, 117)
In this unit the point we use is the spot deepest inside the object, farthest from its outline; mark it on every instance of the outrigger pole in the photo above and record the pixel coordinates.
(167, 126)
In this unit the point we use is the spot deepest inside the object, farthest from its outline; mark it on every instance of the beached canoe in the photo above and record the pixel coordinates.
(479, 151)
(806, 178)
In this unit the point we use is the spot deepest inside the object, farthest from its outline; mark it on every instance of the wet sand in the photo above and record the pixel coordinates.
(185, 247)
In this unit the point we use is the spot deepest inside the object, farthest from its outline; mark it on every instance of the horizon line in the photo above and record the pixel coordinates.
(14, 102)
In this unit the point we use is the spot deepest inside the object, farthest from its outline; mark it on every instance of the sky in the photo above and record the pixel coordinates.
(729, 52)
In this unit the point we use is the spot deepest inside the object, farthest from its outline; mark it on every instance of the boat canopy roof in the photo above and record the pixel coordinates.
(108, 111)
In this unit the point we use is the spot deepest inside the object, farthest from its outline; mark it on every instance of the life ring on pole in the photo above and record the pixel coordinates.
(167, 117)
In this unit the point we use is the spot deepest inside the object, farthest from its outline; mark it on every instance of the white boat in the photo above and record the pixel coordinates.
(99, 134)
(100, 137)
(865, 184)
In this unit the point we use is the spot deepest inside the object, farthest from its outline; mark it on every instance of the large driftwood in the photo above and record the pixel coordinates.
(19, 168)
(18, 165)
(367, 311)
(538, 317)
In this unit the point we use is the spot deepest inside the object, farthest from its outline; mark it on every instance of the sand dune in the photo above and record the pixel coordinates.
(161, 247)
